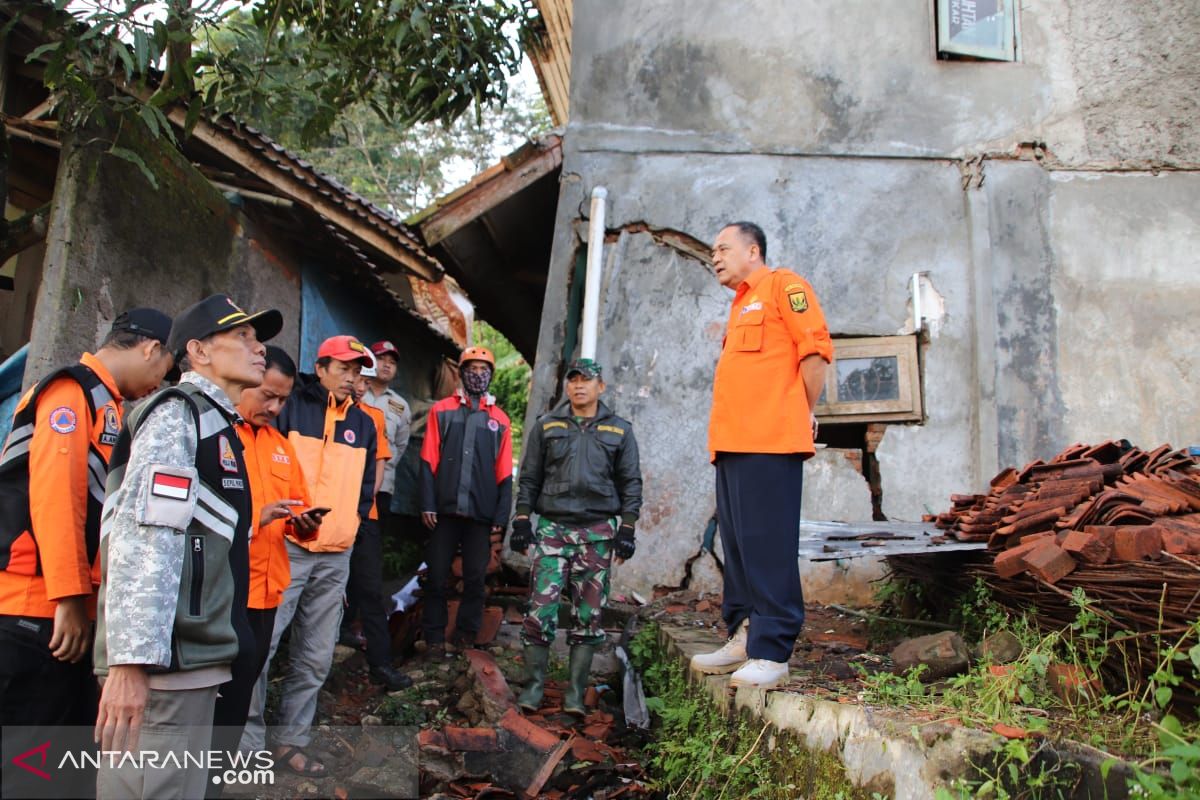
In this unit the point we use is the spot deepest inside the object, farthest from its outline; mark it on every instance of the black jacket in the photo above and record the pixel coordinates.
(466, 460)
(579, 474)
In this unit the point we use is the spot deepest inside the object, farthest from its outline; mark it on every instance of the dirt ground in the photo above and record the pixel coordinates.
(603, 752)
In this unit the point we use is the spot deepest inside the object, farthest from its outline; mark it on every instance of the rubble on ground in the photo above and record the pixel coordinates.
(1115, 522)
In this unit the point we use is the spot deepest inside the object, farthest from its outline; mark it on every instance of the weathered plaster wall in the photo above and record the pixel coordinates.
(115, 242)
(1097, 82)
(1064, 278)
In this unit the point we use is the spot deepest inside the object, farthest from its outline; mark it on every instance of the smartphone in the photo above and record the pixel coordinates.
(317, 512)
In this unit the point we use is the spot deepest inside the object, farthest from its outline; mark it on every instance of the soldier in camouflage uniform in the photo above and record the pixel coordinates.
(581, 475)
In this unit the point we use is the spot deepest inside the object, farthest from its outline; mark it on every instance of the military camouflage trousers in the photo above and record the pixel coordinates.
(574, 560)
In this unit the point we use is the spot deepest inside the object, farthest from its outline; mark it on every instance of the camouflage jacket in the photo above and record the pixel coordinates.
(172, 520)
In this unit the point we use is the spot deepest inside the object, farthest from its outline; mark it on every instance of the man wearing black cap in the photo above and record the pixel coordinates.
(581, 474)
(174, 557)
(51, 491)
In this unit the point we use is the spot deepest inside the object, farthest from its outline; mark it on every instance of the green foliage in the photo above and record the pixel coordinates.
(510, 383)
(1016, 772)
(1173, 771)
(409, 61)
(701, 753)
(886, 688)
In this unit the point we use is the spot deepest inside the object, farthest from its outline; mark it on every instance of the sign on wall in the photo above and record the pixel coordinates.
(977, 28)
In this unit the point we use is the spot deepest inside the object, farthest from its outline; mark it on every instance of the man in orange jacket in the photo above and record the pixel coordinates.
(335, 443)
(52, 473)
(281, 508)
(761, 429)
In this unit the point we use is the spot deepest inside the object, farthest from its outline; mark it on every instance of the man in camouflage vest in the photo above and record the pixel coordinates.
(581, 475)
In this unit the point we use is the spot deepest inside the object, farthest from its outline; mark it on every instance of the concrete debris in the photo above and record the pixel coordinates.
(943, 653)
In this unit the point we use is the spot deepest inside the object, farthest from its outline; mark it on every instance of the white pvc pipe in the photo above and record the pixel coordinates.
(595, 264)
(916, 302)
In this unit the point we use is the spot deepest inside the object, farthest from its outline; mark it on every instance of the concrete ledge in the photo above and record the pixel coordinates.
(882, 750)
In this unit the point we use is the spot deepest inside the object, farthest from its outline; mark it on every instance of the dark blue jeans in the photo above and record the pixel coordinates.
(758, 511)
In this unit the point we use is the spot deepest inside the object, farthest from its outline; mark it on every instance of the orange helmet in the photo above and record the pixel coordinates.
(477, 354)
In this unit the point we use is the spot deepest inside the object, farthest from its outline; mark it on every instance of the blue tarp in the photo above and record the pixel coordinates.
(329, 309)
(12, 372)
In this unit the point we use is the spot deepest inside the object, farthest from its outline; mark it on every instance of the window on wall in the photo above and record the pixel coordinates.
(984, 29)
(872, 379)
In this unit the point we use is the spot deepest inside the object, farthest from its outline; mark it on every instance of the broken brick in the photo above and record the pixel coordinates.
(1087, 547)
(495, 696)
(1136, 542)
(1009, 731)
(586, 750)
(1049, 562)
(429, 739)
(1011, 562)
(474, 740)
(1175, 542)
(538, 738)
(1072, 684)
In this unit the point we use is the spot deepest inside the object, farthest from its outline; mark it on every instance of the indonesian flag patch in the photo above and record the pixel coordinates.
(172, 486)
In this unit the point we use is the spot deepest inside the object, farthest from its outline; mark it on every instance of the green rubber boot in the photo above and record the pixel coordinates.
(581, 665)
(536, 659)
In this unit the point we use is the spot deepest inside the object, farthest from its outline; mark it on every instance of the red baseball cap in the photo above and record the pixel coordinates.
(385, 347)
(346, 348)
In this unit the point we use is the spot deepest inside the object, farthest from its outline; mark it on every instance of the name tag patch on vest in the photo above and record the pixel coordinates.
(63, 420)
(396, 406)
(175, 487)
(228, 459)
(112, 427)
(232, 483)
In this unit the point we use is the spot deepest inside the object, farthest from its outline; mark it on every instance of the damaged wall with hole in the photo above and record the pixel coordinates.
(1052, 204)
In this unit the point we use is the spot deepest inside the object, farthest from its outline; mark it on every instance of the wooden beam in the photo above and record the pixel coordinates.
(470, 206)
(41, 109)
(24, 232)
(305, 195)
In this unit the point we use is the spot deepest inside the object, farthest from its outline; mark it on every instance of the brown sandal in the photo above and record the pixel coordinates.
(311, 769)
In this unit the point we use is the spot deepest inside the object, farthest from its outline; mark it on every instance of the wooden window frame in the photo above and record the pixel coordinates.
(1007, 51)
(908, 407)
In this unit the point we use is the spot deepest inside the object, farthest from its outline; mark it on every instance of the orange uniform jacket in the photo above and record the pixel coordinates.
(383, 450)
(759, 401)
(275, 475)
(63, 436)
(336, 444)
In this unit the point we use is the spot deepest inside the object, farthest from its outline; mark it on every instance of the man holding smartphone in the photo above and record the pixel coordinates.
(335, 444)
(279, 497)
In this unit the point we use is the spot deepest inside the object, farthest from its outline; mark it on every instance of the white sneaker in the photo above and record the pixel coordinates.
(760, 673)
(731, 655)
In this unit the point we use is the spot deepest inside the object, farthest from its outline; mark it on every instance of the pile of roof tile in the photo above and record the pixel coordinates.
(1089, 504)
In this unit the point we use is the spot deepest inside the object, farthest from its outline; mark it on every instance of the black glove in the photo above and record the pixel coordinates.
(624, 545)
(522, 535)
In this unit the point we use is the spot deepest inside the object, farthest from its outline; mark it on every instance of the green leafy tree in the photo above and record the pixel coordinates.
(410, 61)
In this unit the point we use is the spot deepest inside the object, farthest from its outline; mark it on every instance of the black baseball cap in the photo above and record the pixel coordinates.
(148, 322)
(587, 367)
(216, 314)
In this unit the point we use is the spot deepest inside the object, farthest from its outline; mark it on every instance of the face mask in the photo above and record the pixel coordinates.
(476, 383)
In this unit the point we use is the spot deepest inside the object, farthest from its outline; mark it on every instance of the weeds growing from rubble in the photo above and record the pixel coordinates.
(699, 752)
(1137, 724)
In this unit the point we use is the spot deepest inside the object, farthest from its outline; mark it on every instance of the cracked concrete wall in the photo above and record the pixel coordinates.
(1062, 285)
(1099, 83)
(115, 242)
